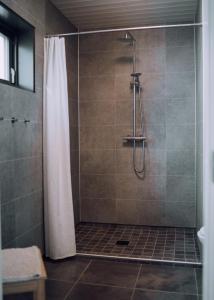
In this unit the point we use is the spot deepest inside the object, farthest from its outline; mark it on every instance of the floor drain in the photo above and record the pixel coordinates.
(122, 243)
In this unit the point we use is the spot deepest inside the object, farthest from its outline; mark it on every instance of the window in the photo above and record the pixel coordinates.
(17, 43)
(4, 57)
(7, 58)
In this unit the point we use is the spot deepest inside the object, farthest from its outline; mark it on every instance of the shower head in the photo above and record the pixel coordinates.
(128, 38)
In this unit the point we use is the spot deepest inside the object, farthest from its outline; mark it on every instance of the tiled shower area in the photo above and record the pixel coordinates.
(122, 215)
(117, 214)
(178, 245)
(110, 191)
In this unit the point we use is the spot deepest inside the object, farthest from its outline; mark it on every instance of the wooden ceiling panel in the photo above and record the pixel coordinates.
(100, 14)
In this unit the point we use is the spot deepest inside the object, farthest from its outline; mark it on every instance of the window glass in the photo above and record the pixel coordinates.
(4, 57)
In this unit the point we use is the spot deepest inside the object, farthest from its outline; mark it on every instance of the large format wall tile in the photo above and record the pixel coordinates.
(180, 214)
(180, 189)
(94, 88)
(131, 187)
(179, 37)
(180, 85)
(156, 136)
(180, 137)
(151, 212)
(123, 91)
(150, 38)
(97, 63)
(94, 113)
(155, 163)
(152, 60)
(98, 210)
(127, 211)
(97, 161)
(8, 223)
(29, 212)
(32, 237)
(181, 163)
(123, 60)
(97, 186)
(97, 137)
(21, 186)
(6, 141)
(166, 60)
(100, 42)
(180, 112)
(153, 85)
(180, 59)
(21, 144)
(154, 110)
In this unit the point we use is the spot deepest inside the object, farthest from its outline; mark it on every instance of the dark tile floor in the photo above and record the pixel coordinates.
(98, 279)
(153, 243)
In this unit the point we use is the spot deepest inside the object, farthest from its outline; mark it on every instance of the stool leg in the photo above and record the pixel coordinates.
(40, 292)
(35, 295)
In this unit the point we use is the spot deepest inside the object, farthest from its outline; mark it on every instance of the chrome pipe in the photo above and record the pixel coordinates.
(134, 109)
(123, 29)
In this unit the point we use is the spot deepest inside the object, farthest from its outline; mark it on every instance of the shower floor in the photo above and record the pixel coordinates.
(165, 244)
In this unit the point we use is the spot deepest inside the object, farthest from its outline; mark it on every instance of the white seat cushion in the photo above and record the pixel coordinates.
(21, 264)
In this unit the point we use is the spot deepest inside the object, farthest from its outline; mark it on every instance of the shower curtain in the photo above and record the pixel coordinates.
(58, 202)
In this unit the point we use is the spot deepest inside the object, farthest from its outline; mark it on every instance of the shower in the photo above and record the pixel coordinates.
(138, 129)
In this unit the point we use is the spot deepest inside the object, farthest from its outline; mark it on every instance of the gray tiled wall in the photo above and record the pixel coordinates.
(21, 146)
(110, 190)
(21, 187)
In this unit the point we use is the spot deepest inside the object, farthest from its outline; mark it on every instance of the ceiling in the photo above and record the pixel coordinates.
(100, 14)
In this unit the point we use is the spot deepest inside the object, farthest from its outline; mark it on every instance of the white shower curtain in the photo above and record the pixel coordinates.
(58, 202)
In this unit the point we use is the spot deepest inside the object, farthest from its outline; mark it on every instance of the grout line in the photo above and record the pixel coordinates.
(135, 285)
(123, 287)
(167, 292)
(21, 158)
(106, 285)
(21, 235)
(78, 280)
(79, 123)
(58, 280)
(196, 281)
(22, 197)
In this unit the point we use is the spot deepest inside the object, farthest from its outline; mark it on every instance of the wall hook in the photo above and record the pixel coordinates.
(26, 121)
(1, 119)
(13, 120)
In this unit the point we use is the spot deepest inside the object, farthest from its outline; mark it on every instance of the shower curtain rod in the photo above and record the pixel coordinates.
(124, 29)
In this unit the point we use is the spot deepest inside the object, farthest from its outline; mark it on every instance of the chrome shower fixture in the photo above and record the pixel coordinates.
(128, 38)
(137, 138)
(135, 81)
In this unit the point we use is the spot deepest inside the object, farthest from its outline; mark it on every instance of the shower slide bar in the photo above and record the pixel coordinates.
(124, 29)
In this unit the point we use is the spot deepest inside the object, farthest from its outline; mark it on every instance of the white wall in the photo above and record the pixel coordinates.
(208, 139)
(199, 120)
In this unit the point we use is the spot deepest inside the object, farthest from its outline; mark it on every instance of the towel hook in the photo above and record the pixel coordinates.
(13, 120)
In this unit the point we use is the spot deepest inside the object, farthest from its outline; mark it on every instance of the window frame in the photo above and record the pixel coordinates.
(16, 27)
(13, 43)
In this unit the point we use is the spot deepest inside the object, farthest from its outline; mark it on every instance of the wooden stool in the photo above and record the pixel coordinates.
(30, 278)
